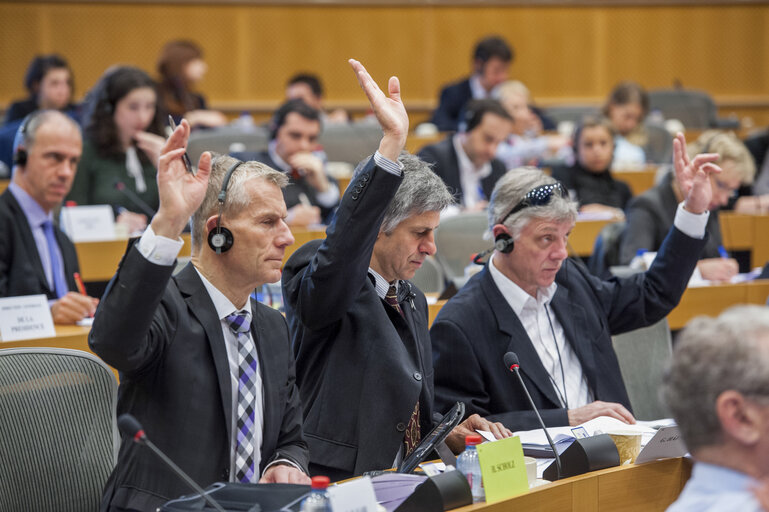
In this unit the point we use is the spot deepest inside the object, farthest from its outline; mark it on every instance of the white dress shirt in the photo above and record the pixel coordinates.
(470, 176)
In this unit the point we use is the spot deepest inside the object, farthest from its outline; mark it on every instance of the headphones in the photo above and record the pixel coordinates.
(504, 243)
(220, 239)
(20, 156)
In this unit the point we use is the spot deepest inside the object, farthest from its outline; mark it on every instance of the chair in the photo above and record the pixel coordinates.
(695, 109)
(659, 145)
(457, 238)
(643, 355)
(429, 277)
(570, 113)
(58, 435)
(351, 142)
(606, 249)
(220, 140)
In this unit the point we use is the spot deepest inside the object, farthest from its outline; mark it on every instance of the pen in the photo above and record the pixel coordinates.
(79, 282)
(722, 252)
(185, 157)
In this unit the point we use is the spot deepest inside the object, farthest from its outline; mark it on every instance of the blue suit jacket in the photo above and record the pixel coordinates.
(476, 328)
(454, 97)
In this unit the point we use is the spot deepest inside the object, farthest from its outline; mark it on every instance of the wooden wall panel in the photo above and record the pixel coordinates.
(563, 53)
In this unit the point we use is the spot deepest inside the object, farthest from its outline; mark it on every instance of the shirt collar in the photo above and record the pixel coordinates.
(222, 304)
(272, 151)
(478, 91)
(381, 284)
(465, 165)
(514, 294)
(31, 208)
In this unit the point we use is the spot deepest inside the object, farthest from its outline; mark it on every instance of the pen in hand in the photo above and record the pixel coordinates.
(185, 157)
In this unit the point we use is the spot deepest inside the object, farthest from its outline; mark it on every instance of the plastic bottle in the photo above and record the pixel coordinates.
(318, 500)
(468, 465)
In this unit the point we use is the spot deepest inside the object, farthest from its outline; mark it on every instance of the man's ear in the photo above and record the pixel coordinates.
(211, 223)
(500, 229)
(740, 417)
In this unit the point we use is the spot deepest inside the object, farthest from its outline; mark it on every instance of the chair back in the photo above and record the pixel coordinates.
(350, 142)
(58, 433)
(571, 113)
(220, 140)
(429, 277)
(606, 249)
(695, 109)
(659, 144)
(457, 238)
(643, 355)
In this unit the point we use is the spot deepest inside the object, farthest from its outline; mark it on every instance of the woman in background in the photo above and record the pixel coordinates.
(121, 147)
(626, 108)
(50, 85)
(181, 66)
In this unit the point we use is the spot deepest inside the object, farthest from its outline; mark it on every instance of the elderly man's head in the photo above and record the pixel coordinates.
(717, 388)
(47, 151)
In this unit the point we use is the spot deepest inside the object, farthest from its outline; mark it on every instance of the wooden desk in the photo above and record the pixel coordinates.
(644, 488)
(638, 181)
(712, 300)
(584, 234)
(746, 233)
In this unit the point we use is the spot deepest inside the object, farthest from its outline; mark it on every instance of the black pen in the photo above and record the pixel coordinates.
(185, 157)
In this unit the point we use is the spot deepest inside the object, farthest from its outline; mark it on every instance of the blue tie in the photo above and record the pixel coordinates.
(59, 283)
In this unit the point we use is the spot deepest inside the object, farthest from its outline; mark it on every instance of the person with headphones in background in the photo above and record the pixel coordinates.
(651, 214)
(530, 299)
(466, 161)
(590, 180)
(311, 195)
(35, 256)
(206, 369)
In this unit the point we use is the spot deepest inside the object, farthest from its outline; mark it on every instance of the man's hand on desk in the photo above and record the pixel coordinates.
(301, 215)
(284, 474)
(72, 308)
(456, 439)
(718, 269)
(587, 412)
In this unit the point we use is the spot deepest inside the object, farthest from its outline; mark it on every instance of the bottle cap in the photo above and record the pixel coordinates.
(472, 439)
(320, 482)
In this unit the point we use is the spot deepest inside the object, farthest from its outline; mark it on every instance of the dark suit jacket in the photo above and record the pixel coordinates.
(649, 218)
(165, 338)
(21, 271)
(446, 165)
(758, 145)
(476, 328)
(451, 106)
(296, 186)
(361, 367)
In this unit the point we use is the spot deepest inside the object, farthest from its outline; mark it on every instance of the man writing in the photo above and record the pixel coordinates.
(207, 370)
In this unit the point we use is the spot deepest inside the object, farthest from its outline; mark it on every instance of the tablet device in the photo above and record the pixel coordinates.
(430, 441)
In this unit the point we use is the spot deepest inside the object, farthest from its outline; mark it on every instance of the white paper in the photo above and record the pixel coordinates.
(354, 496)
(25, 317)
(667, 443)
(88, 223)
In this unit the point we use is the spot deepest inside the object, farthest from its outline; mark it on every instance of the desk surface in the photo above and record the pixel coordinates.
(644, 488)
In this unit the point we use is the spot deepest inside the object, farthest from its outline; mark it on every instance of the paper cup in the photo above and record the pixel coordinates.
(531, 469)
(628, 446)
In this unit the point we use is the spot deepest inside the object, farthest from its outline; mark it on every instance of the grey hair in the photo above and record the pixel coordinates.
(513, 187)
(714, 355)
(420, 191)
(36, 120)
(237, 197)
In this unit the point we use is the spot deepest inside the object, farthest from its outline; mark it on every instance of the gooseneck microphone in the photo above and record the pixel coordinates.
(134, 198)
(511, 362)
(131, 427)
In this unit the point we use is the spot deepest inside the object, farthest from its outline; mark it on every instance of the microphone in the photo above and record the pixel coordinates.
(134, 198)
(511, 362)
(131, 427)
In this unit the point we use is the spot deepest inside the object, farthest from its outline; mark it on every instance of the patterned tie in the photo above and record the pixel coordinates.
(392, 299)
(240, 323)
(59, 283)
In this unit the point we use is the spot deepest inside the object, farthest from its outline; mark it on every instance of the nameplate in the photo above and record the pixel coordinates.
(354, 496)
(25, 317)
(667, 443)
(88, 223)
(503, 469)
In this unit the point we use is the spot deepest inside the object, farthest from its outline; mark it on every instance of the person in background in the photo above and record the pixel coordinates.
(308, 88)
(758, 145)
(312, 195)
(51, 87)
(35, 256)
(626, 108)
(123, 135)
(650, 215)
(590, 180)
(491, 65)
(717, 389)
(526, 144)
(180, 67)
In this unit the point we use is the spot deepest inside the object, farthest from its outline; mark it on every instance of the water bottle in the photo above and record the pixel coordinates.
(468, 465)
(318, 500)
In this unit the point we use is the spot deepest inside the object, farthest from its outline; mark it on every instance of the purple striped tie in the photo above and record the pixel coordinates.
(240, 323)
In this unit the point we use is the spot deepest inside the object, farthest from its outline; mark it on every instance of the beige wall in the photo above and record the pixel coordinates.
(563, 53)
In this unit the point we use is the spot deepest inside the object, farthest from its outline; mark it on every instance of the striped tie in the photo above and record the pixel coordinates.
(392, 299)
(240, 323)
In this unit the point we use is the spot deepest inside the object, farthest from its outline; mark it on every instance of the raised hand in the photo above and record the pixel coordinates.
(693, 176)
(389, 111)
(180, 192)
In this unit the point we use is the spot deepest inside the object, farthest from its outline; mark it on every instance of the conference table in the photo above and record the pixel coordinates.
(649, 487)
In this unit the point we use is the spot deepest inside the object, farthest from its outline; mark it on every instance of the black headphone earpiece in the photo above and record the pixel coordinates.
(504, 243)
(221, 239)
(20, 156)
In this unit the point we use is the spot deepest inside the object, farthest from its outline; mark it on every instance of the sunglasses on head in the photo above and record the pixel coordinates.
(538, 196)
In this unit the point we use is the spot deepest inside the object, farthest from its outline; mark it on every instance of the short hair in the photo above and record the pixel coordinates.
(420, 191)
(513, 187)
(27, 131)
(627, 92)
(476, 109)
(310, 79)
(591, 121)
(295, 105)
(511, 87)
(237, 199)
(713, 355)
(729, 147)
(493, 46)
(40, 66)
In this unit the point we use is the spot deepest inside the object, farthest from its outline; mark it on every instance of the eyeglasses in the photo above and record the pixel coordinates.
(538, 196)
(725, 187)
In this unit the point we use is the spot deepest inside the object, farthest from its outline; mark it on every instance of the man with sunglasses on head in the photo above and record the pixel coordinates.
(557, 317)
